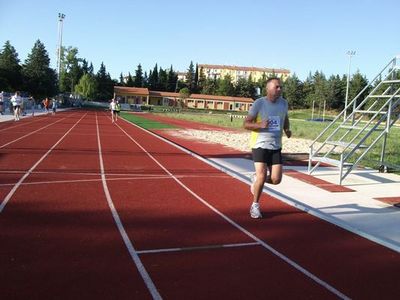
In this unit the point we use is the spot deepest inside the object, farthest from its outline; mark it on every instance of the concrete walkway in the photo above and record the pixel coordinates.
(359, 211)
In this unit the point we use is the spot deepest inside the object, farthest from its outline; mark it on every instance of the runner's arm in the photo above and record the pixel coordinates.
(251, 124)
(286, 127)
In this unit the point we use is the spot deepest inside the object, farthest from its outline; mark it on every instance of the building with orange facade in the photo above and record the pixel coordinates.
(143, 96)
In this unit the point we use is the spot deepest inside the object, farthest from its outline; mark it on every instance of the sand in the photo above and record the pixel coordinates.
(240, 141)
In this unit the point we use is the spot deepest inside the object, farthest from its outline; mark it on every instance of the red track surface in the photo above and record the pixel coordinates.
(66, 234)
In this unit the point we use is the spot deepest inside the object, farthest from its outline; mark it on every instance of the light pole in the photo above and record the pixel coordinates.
(60, 29)
(350, 53)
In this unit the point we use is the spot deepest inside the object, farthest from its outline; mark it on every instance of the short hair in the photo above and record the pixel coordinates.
(272, 78)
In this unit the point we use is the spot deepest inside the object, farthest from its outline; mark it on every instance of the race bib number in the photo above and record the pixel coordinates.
(274, 123)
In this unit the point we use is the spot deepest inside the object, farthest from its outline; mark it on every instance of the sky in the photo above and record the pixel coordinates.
(302, 36)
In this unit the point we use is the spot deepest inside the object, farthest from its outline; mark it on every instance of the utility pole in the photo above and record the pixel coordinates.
(350, 54)
(60, 30)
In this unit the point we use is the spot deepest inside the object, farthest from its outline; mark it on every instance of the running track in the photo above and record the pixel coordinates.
(91, 209)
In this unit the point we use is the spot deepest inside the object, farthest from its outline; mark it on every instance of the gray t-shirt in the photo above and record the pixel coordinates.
(275, 113)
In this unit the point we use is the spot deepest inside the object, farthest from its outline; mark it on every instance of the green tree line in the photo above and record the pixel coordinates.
(77, 77)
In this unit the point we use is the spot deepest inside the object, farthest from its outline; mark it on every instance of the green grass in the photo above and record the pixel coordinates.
(145, 123)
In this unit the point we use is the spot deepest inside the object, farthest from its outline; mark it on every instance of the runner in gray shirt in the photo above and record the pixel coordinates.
(267, 119)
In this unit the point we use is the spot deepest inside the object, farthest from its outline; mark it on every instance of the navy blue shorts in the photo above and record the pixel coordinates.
(267, 156)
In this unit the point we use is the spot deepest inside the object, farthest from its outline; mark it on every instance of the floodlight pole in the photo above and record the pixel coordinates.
(350, 53)
(60, 30)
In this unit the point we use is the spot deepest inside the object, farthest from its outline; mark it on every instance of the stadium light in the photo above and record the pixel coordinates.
(350, 53)
(61, 17)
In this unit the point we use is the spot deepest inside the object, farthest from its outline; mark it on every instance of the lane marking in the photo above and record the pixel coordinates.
(132, 251)
(195, 248)
(97, 179)
(19, 124)
(233, 223)
(18, 184)
(26, 135)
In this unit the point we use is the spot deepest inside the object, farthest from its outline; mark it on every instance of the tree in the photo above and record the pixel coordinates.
(225, 87)
(357, 83)
(129, 81)
(10, 69)
(162, 80)
(209, 87)
(293, 92)
(91, 69)
(336, 92)
(190, 76)
(172, 80)
(145, 80)
(153, 78)
(71, 71)
(40, 79)
(121, 80)
(105, 85)
(184, 94)
(308, 91)
(138, 82)
(86, 87)
(320, 89)
(86, 68)
(202, 80)
(196, 79)
(244, 88)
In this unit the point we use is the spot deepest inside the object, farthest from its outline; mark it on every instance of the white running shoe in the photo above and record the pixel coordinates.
(255, 212)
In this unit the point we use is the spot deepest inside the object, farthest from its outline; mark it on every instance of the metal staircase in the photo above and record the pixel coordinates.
(348, 138)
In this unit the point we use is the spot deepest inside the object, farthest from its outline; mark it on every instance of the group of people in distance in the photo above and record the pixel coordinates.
(17, 104)
(47, 103)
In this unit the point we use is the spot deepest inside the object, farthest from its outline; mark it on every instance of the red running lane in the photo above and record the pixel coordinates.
(161, 214)
(59, 239)
(354, 265)
(63, 235)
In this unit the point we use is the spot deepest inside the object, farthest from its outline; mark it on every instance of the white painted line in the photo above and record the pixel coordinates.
(18, 184)
(26, 135)
(233, 223)
(132, 251)
(19, 124)
(308, 209)
(207, 247)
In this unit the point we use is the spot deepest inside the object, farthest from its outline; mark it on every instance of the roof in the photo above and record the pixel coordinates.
(222, 98)
(256, 69)
(131, 90)
(164, 94)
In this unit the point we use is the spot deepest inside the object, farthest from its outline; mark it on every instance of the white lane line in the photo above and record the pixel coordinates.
(206, 247)
(132, 251)
(94, 180)
(21, 124)
(233, 223)
(122, 175)
(26, 135)
(18, 184)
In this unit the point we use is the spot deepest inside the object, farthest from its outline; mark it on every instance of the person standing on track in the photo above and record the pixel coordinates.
(114, 112)
(267, 119)
(33, 103)
(1, 103)
(46, 104)
(16, 101)
(54, 106)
